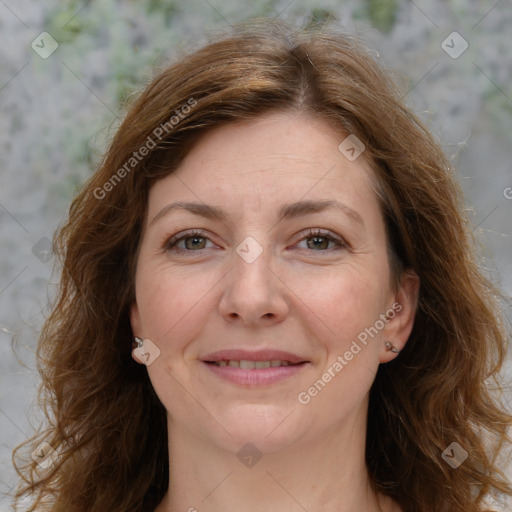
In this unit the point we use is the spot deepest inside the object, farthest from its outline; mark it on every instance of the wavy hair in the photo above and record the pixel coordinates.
(103, 417)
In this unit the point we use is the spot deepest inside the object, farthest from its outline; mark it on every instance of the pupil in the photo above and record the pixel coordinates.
(196, 241)
(316, 239)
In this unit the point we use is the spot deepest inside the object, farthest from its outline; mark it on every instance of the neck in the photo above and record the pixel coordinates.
(327, 473)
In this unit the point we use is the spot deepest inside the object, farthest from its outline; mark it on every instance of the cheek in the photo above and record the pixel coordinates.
(170, 301)
(349, 302)
(344, 301)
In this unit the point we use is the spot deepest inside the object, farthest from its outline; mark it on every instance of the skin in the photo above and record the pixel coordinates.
(303, 295)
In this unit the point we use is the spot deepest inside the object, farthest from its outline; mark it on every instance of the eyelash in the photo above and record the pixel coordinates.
(170, 245)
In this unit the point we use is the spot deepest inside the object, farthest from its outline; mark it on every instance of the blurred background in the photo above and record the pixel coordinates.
(67, 68)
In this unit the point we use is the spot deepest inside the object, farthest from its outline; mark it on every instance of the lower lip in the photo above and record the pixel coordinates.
(256, 377)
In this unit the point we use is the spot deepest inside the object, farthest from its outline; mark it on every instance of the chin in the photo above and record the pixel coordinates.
(269, 428)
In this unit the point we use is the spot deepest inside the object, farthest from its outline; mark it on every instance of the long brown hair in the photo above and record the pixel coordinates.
(104, 419)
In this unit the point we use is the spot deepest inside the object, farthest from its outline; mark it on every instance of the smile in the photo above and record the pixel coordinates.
(252, 365)
(254, 374)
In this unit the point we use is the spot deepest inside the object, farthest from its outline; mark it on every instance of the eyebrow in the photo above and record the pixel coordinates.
(288, 211)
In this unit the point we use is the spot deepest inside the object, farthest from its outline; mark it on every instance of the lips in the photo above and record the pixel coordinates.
(254, 368)
(246, 364)
(258, 356)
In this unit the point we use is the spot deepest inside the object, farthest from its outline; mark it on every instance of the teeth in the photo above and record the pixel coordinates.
(251, 365)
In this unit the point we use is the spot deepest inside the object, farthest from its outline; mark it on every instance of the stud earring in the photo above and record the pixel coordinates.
(391, 348)
(137, 342)
(137, 348)
(144, 351)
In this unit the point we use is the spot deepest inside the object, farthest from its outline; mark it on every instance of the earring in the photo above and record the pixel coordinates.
(391, 348)
(138, 348)
(144, 351)
(137, 342)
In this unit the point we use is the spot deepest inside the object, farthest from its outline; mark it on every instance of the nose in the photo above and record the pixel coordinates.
(254, 294)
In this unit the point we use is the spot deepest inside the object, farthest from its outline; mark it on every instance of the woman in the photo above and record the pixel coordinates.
(269, 301)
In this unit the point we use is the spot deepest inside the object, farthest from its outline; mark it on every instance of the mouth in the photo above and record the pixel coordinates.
(246, 364)
(254, 368)
(253, 359)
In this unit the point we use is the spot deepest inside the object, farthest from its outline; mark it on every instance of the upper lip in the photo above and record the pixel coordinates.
(253, 355)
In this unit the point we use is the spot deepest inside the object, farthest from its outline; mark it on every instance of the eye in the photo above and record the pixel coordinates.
(318, 241)
(189, 241)
(196, 240)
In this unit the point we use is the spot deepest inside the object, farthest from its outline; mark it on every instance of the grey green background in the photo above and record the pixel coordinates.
(58, 113)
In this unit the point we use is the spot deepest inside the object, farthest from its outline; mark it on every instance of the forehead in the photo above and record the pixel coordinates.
(255, 163)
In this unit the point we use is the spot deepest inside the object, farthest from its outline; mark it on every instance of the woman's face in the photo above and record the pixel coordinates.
(280, 263)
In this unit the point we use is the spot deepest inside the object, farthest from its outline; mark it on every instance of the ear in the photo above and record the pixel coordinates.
(136, 325)
(399, 327)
